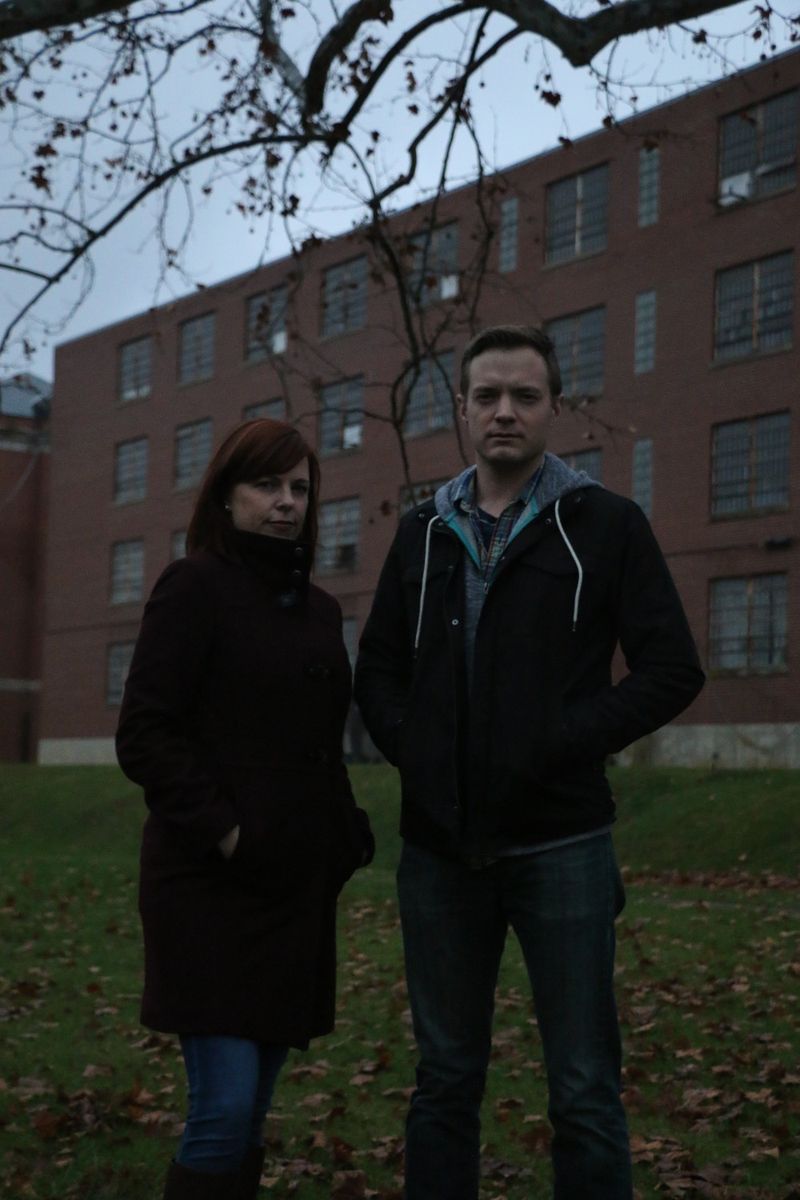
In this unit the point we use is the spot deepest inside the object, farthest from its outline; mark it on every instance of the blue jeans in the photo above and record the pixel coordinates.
(231, 1081)
(561, 904)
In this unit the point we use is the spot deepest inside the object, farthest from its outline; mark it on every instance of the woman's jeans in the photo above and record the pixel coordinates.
(231, 1081)
(561, 903)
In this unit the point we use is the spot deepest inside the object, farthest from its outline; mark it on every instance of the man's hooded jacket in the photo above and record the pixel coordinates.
(495, 697)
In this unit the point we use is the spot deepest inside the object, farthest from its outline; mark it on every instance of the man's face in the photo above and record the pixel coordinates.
(508, 408)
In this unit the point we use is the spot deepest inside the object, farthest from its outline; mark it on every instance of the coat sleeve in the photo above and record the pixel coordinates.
(384, 666)
(155, 747)
(664, 673)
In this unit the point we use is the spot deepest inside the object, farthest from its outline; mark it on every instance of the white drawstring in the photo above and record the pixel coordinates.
(424, 578)
(577, 561)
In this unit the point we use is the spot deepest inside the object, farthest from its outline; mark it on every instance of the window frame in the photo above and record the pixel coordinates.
(344, 297)
(575, 370)
(556, 249)
(196, 361)
(754, 312)
(126, 581)
(776, 632)
(130, 495)
(126, 351)
(339, 402)
(272, 339)
(184, 483)
(330, 560)
(756, 469)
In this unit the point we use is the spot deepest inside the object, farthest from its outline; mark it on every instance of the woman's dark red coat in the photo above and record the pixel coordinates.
(233, 714)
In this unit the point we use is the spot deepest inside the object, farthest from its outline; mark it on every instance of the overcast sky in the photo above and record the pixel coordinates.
(514, 124)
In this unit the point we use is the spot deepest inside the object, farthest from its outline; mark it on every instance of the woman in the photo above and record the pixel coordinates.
(232, 722)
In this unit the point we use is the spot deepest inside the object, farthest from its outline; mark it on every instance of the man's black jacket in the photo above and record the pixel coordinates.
(521, 747)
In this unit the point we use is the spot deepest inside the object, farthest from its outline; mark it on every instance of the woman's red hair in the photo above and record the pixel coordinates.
(249, 452)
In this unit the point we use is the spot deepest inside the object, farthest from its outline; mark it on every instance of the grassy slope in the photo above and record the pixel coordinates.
(668, 819)
(707, 984)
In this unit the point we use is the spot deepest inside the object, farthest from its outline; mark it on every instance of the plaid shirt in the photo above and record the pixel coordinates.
(492, 534)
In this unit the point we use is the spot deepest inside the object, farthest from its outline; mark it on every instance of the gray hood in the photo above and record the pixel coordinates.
(556, 480)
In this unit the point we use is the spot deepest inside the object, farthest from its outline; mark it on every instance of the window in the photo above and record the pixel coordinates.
(118, 662)
(418, 493)
(758, 150)
(643, 475)
(342, 420)
(754, 307)
(192, 452)
(196, 349)
(338, 535)
(580, 348)
(429, 405)
(130, 470)
(434, 265)
(590, 461)
(135, 369)
(509, 222)
(750, 466)
(127, 571)
(577, 215)
(649, 184)
(644, 351)
(275, 409)
(177, 545)
(748, 624)
(265, 332)
(344, 297)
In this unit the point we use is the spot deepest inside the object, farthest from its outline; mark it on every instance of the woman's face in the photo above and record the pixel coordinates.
(273, 504)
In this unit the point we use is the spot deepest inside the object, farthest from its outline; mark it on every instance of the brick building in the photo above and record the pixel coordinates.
(24, 409)
(662, 257)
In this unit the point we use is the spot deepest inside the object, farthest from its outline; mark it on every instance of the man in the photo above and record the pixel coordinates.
(484, 674)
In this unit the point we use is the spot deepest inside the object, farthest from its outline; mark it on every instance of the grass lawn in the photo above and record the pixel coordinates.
(708, 983)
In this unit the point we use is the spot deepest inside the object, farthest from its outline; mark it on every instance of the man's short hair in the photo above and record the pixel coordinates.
(511, 337)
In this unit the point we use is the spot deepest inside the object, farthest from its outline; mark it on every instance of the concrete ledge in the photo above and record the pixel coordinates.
(731, 746)
(59, 752)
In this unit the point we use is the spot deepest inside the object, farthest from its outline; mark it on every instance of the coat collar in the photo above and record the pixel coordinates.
(284, 564)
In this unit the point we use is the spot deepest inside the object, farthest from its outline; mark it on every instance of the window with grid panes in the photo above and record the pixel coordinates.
(130, 470)
(748, 624)
(430, 399)
(196, 349)
(649, 185)
(509, 225)
(339, 522)
(644, 333)
(590, 461)
(135, 369)
(750, 465)
(758, 149)
(192, 452)
(341, 425)
(127, 571)
(580, 341)
(344, 297)
(118, 663)
(434, 264)
(274, 409)
(265, 330)
(642, 473)
(754, 307)
(577, 215)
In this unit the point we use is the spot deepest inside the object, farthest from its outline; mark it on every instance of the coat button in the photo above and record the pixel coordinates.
(454, 621)
(299, 551)
(297, 576)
